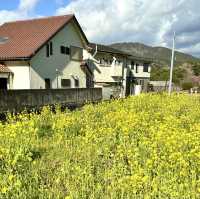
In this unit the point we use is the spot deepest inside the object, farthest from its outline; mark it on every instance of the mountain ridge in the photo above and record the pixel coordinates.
(161, 55)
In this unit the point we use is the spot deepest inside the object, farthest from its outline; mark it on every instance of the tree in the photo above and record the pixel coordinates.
(196, 69)
(162, 74)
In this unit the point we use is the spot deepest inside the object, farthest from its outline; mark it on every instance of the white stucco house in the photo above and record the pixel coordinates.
(115, 71)
(42, 53)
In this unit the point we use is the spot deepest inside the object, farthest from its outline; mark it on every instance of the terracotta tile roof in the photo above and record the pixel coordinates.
(23, 38)
(4, 69)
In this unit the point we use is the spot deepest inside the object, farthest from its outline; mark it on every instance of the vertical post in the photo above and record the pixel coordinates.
(172, 65)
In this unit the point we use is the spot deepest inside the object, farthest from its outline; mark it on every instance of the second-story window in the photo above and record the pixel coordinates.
(106, 62)
(132, 65)
(65, 50)
(62, 49)
(102, 61)
(146, 68)
(137, 68)
(76, 53)
(49, 49)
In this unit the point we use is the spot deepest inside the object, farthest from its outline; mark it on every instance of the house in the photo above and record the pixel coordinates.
(137, 73)
(54, 52)
(115, 71)
(107, 66)
(42, 53)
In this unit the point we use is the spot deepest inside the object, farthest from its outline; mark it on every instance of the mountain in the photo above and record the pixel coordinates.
(160, 55)
(187, 67)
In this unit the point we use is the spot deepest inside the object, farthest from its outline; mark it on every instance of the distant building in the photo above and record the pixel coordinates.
(159, 86)
(117, 72)
(137, 72)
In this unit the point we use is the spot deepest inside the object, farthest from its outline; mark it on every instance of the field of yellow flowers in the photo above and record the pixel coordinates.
(141, 147)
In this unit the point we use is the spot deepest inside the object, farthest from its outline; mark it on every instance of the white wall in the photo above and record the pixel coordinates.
(45, 67)
(21, 74)
(140, 73)
(105, 73)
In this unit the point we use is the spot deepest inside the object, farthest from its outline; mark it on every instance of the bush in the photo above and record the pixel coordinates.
(196, 69)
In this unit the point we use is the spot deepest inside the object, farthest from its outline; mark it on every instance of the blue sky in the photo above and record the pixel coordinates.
(9, 4)
(110, 21)
(44, 7)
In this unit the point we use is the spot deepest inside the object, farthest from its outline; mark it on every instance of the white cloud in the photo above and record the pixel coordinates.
(27, 5)
(59, 2)
(23, 11)
(147, 21)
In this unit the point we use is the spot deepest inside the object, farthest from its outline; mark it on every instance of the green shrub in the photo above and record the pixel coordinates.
(187, 85)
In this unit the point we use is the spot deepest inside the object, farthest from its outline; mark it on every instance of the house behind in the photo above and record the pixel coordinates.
(117, 72)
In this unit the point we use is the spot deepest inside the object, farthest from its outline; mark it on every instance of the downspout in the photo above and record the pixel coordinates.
(123, 80)
(29, 73)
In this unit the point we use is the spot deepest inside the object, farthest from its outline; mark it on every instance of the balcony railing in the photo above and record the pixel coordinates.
(116, 71)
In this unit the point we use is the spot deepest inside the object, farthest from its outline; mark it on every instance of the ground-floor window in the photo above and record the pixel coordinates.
(47, 83)
(3, 83)
(141, 82)
(76, 83)
(66, 83)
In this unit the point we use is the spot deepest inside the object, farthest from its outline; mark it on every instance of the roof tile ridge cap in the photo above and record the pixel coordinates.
(40, 18)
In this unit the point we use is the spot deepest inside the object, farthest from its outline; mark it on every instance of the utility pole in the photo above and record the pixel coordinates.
(172, 65)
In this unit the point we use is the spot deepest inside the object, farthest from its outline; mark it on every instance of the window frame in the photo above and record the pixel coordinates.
(62, 49)
(76, 47)
(49, 86)
(47, 50)
(137, 68)
(132, 65)
(145, 67)
(51, 48)
(75, 83)
(66, 86)
(65, 50)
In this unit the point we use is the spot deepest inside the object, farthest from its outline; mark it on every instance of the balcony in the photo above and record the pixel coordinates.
(116, 70)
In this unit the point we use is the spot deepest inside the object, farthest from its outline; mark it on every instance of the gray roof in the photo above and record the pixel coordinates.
(108, 49)
(159, 83)
(104, 48)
